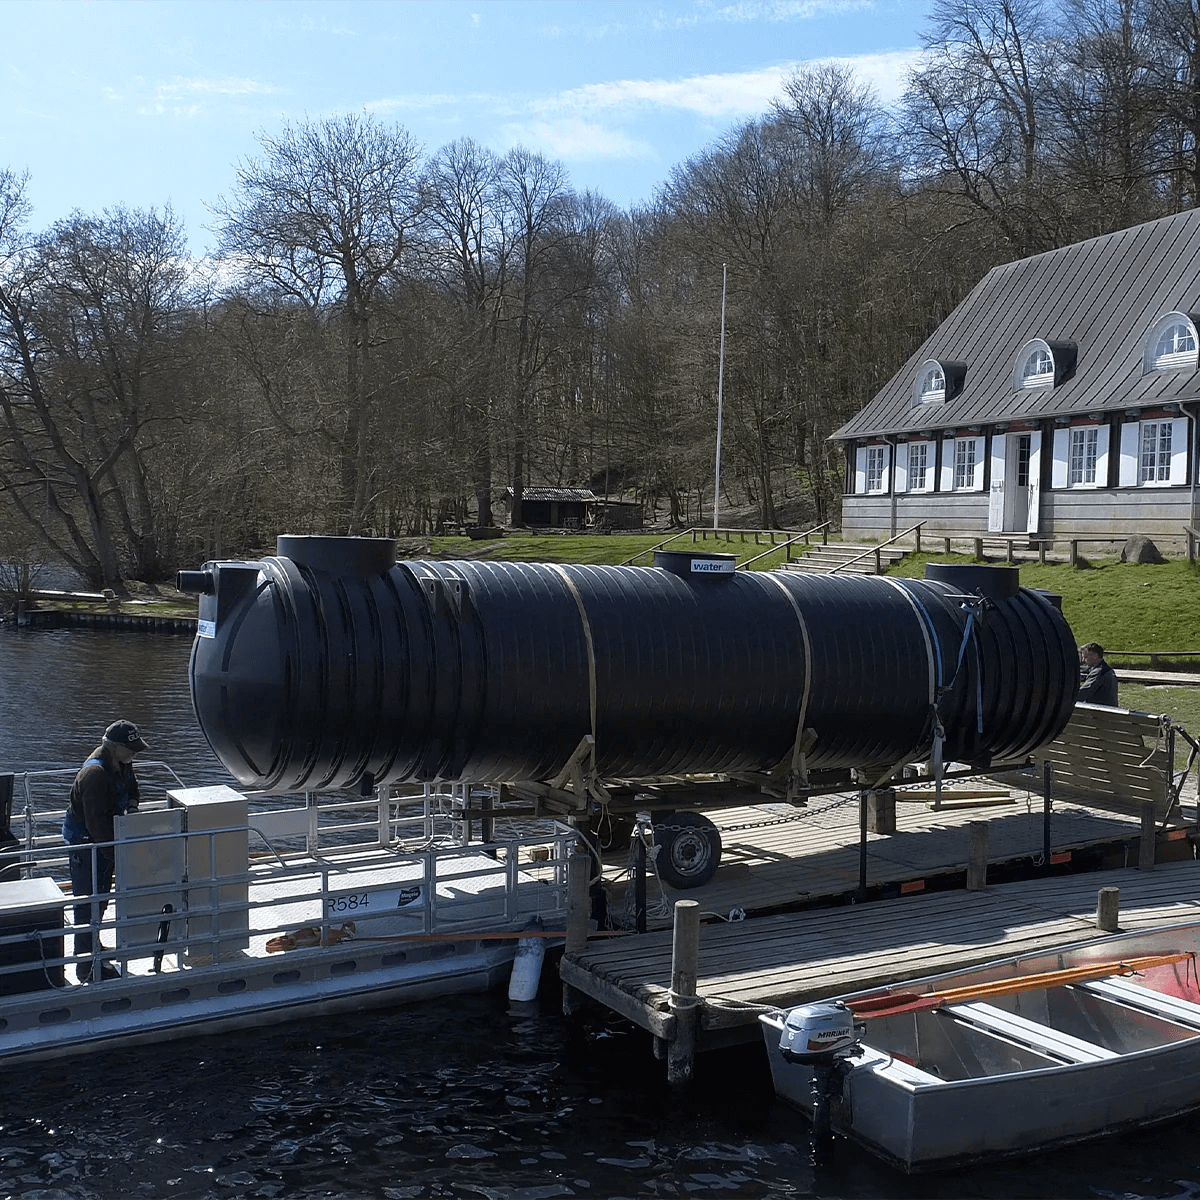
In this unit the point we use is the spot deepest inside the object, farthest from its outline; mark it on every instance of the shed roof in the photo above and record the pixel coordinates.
(1103, 295)
(576, 495)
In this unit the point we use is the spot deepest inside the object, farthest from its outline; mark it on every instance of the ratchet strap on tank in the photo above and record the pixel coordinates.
(797, 779)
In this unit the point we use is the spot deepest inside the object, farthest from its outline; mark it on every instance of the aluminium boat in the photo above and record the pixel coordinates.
(1019, 1055)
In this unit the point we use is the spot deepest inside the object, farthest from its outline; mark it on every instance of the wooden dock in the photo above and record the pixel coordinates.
(776, 857)
(777, 961)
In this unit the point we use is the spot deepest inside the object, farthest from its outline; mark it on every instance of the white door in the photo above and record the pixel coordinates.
(1016, 491)
(1034, 490)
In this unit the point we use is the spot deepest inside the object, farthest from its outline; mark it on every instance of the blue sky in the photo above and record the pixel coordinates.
(150, 102)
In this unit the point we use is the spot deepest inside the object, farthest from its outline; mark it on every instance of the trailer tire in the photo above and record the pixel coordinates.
(690, 849)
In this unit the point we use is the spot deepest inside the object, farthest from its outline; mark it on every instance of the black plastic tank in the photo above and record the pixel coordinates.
(331, 665)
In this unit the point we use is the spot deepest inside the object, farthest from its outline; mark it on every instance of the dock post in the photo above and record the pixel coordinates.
(579, 870)
(881, 811)
(1108, 904)
(977, 856)
(685, 965)
(1146, 843)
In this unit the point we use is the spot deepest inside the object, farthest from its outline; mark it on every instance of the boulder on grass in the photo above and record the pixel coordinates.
(1140, 549)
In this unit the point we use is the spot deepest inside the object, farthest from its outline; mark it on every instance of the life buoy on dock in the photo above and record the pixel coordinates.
(330, 665)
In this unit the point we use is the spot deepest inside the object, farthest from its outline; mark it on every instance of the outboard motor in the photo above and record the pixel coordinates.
(824, 1036)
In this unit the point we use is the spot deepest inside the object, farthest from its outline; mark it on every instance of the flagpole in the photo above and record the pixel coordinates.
(720, 391)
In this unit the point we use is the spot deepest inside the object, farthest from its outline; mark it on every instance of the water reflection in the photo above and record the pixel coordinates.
(59, 689)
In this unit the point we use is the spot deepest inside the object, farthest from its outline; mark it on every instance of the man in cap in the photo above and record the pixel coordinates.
(105, 787)
(1099, 685)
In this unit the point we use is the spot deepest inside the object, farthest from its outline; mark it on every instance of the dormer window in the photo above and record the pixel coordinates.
(932, 388)
(1172, 344)
(1035, 366)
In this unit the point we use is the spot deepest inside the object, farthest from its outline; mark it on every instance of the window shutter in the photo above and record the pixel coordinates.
(1179, 450)
(887, 466)
(980, 451)
(947, 484)
(860, 470)
(1062, 450)
(1035, 482)
(1102, 456)
(902, 467)
(1129, 454)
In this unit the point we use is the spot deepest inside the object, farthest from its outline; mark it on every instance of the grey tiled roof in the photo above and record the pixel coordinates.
(1104, 295)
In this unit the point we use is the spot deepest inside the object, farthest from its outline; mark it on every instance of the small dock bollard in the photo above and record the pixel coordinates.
(685, 963)
(1108, 904)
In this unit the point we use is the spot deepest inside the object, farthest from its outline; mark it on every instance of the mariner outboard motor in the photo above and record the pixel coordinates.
(824, 1036)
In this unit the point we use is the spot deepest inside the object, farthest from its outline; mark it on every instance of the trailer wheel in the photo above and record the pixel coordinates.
(690, 849)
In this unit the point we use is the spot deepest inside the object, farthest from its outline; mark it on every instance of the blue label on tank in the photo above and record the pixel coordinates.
(206, 629)
(712, 566)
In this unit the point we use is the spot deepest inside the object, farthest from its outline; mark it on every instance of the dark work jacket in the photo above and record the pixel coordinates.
(103, 789)
(1099, 686)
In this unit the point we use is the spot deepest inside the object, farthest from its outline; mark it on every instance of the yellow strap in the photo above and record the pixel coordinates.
(591, 652)
(799, 770)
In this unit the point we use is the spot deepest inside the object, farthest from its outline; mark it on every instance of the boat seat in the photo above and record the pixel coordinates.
(1172, 1008)
(1038, 1037)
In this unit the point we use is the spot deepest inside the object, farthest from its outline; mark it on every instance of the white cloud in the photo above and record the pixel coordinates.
(730, 96)
(574, 139)
(183, 97)
(759, 10)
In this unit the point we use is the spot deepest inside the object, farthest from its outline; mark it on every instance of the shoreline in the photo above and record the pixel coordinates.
(58, 618)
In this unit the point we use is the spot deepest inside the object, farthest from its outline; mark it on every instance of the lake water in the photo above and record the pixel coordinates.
(466, 1097)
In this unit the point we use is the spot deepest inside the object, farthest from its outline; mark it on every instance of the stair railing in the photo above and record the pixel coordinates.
(822, 529)
(874, 550)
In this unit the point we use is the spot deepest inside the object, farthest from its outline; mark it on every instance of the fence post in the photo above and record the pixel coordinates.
(979, 548)
(685, 965)
(1074, 552)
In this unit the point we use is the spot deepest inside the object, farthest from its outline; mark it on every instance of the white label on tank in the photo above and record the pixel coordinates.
(712, 566)
(206, 628)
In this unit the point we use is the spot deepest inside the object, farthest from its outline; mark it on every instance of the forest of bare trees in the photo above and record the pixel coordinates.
(388, 337)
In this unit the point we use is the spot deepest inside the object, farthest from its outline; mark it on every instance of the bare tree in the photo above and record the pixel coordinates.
(322, 218)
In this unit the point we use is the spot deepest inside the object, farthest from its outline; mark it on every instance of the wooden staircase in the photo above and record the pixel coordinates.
(848, 558)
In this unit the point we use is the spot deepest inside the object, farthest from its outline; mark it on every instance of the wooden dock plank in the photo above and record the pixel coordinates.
(785, 960)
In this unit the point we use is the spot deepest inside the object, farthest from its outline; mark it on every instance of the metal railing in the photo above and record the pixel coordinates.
(875, 550)
(397, 862)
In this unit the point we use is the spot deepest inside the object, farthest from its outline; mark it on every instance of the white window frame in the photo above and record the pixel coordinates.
(863, 457)
(926, 453)
(876, 470)
(930, 385)
(1170, 464)
(1036, 352)
(1060, 463)
(1179, 356)
(957, 453)
(1082, 453)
